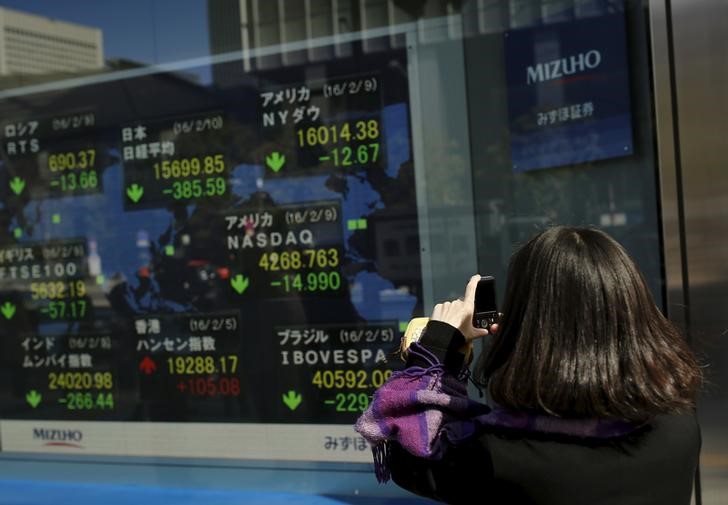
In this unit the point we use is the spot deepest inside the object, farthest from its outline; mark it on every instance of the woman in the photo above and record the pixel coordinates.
(592, 390)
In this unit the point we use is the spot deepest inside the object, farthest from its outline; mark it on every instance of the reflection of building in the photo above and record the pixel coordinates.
(250, 24)
(398, 249)
(31, 44)
(242, 25)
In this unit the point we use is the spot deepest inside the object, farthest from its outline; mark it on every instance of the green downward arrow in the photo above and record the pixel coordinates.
(17, 185)
(33, 398)
(240, 283)
(275, 161)
(8, 310)
(292, 399)
(134, 192)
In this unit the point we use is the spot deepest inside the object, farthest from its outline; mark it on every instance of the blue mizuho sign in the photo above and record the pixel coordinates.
(568, 93)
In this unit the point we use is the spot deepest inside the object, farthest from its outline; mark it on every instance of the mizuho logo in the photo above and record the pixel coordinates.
(563, 67)
(58, 437)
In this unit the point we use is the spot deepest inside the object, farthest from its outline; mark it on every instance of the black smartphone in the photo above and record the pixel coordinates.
(486, 307)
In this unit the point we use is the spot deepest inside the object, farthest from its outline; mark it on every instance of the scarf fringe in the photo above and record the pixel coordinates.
(381, 453)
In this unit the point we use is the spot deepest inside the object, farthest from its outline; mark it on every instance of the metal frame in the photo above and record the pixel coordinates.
(668, 163)
(454, 104)
(418, 158)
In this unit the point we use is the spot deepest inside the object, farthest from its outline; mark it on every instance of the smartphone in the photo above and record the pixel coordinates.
(486, 308)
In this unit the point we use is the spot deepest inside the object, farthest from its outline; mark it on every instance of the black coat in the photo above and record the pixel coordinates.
(653, 466)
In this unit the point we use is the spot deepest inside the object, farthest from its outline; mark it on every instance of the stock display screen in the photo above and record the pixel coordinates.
(173, 252)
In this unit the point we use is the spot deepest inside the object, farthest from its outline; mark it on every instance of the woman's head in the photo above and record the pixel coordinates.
(581, 335)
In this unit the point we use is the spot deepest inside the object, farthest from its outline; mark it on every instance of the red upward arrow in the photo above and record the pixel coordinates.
(148, 366)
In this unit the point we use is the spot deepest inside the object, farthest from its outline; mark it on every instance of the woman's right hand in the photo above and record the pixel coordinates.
(459, 313)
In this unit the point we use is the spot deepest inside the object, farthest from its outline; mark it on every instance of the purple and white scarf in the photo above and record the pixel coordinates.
(427, 410)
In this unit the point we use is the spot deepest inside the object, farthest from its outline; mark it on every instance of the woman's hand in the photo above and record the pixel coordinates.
(459, 313)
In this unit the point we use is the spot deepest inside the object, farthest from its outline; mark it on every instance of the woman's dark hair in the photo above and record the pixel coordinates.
(581, 335)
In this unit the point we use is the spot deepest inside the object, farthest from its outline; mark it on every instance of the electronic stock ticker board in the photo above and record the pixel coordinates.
(206, 271)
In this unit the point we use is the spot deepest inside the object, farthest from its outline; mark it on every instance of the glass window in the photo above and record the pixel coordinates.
(218, 217)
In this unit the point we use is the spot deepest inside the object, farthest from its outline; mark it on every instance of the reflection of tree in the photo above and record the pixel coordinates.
(568, 194)
(450, 181)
